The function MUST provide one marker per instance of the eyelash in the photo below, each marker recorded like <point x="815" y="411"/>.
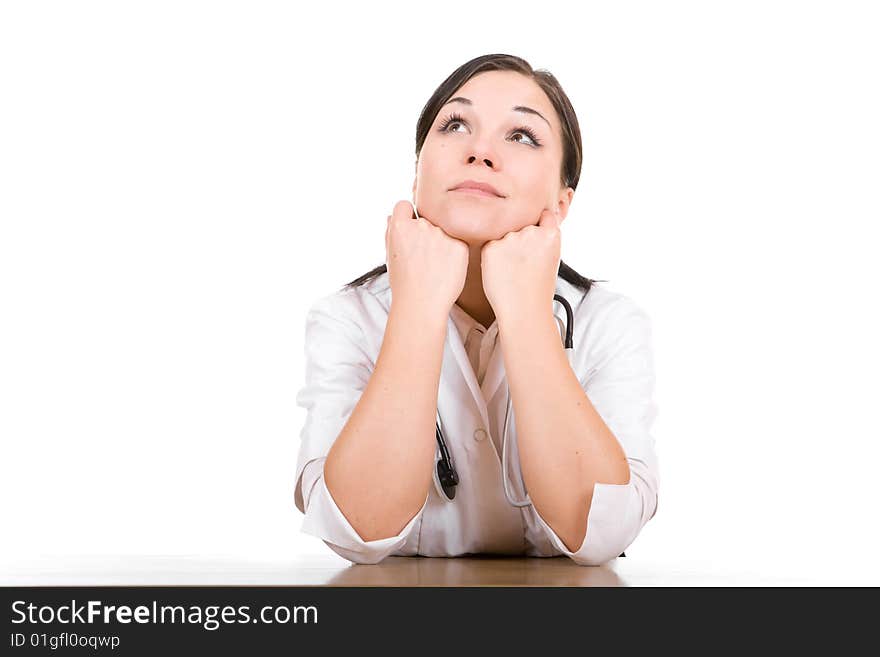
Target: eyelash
<point x="457" y="118"/>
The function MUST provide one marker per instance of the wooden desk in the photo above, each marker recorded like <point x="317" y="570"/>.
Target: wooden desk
<point x="332" y="570"/>
<point x="476" y="570"/>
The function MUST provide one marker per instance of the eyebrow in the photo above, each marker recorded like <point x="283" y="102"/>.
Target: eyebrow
<point x="515" y="108"/>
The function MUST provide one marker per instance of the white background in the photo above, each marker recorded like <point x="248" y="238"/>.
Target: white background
<point x="179" y="181"/>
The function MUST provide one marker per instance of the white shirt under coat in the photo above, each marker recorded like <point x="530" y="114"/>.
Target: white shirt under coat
<point x="613" y="360"/>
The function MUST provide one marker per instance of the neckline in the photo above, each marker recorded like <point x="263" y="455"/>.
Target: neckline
<point x="472" y="321"/>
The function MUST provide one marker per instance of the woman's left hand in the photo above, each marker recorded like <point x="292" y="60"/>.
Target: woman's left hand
<point x="520" y="269"/>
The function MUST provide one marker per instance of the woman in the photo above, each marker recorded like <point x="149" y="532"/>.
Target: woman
<point x="460" y="332"/>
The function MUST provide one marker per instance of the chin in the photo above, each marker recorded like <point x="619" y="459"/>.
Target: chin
<point x="465" y="231"/>
<point x="469" y="222"/>
<point x="475" y="238"/>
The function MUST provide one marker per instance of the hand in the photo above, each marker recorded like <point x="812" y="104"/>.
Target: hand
<point x="520" y="269"/>
<point x="427" y="268"/>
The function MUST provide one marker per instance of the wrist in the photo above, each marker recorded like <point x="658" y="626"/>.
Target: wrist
<point x="518" y="318"/>
<point x="419" y="316"/>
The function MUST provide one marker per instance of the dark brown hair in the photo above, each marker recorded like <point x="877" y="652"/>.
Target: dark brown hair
<point x="572" y="149"/>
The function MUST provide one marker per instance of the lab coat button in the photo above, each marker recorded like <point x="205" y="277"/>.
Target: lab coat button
<point x="479" y="434"/>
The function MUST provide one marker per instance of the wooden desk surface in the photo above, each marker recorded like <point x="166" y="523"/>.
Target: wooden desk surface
<point x="332" y="570"/>
<point x="476" y="570"/>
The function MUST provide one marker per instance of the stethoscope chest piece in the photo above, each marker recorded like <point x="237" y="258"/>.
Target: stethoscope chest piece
<point x="448" y="479"/>
<point x="447" y="476"/>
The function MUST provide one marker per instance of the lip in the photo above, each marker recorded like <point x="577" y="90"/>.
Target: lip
<point x="476" y="187"/>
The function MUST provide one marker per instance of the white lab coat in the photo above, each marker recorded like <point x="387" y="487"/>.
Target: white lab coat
<point x="613" y="360"/>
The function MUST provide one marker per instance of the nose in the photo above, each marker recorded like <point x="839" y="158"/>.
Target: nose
<point x="471" y="159"/>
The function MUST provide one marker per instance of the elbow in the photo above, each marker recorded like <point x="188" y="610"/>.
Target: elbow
<point x="597" y="551"/>
<point x="324" y="520"/>
<point x="365" y="557"/>
<point x="597" y="557"/>
<point x="617" y="516"/>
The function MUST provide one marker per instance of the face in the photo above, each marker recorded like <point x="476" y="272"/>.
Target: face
<point x="519" y="153"/>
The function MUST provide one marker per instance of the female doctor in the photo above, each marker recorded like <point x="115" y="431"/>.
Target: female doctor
<point x="475" y="394"/>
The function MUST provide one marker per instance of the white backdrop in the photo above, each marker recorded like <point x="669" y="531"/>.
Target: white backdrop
<point x="179" y="181"/>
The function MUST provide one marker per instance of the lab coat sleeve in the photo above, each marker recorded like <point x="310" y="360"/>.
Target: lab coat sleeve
<point x="621" y="389"/>
<point x="338" y="368"/>
<point x="325" y="520"/>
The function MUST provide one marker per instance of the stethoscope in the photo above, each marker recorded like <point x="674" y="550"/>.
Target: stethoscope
<point x="447" y="477"/>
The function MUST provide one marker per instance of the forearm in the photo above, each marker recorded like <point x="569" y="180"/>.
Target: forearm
<point x="380" y="467"/>
<point x="564" y="445"/>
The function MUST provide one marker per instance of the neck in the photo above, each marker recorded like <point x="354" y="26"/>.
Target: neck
<point x="473" y="299"/>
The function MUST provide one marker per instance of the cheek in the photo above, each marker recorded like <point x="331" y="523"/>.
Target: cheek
<point x="431" y="180"/>
<point x="522" y="214"/>
<point x="431" y="158"/>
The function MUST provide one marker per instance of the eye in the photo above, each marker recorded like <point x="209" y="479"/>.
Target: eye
<point x="528" y="133"/>
<point x="453" y="118"/>
<point x="522" y="130"/>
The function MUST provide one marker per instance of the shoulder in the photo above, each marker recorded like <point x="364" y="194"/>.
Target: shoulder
<point x="600" y="304"/>
<point x="355" y="313"/>
<point x="612" y="305"/>
<point x="354" y="301"/>
<point x="607" y="322"/>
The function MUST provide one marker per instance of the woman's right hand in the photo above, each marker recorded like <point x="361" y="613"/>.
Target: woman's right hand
<point x="427" y="268"/>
